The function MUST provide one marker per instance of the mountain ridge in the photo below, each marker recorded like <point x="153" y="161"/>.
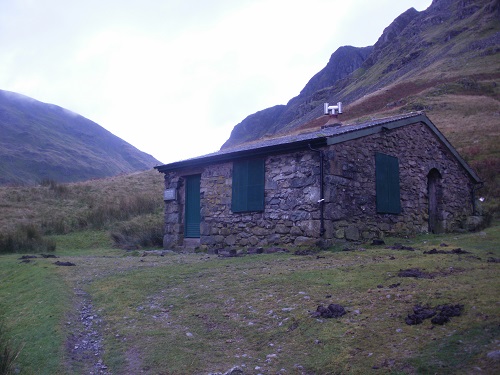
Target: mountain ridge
<point x="342" y="62"/>
<point x="409" y="49"/>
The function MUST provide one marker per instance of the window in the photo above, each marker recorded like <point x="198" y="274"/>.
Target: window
<point x="248" y="185"/>
<point x="387" y="184"/>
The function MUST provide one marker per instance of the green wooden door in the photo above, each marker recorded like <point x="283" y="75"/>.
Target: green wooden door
<point x="192" y="217"/>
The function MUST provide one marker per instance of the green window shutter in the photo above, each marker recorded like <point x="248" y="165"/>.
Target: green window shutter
<point x="248" y="185"/>
<point x="387" y="184"/>
<point x="240" y="172"/>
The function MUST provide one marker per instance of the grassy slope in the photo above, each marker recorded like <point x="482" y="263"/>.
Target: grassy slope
<point x="193" y="313"/>
<point x="62" y="208"/>
<point x="43" y="141"/>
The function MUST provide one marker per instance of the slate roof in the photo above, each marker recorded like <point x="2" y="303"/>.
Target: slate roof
<point x="328" y="134"/>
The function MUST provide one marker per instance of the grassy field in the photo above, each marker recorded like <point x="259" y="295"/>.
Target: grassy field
<point x="199" y="313"/>
<point x="129" y="207"/>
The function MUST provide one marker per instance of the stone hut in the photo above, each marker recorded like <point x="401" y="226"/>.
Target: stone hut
<point x="392" y="176"/>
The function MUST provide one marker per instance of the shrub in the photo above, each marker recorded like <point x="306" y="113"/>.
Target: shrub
<point x="8" y="354"/>
<point x="122" y="209"/>
<point x="27" y="238"/>
<point x="57" y="188"/>
<point x="144" y="231"/>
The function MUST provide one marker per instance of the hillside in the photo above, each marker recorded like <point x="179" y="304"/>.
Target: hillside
<point x="452" y="41"/>
<point x="42" y="141"/>
<point x="342" y="63"/>
<point x="443" y="60"/>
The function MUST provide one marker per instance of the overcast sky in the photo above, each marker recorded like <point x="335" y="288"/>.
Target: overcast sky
<point x="173" y="77"/>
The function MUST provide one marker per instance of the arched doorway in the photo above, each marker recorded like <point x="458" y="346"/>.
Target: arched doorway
<point x="435" y="196"/>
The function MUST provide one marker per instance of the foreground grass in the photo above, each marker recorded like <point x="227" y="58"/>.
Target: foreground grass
<point x="196" y="316"/>
<point x="197" y="313"/>
<point x="33" y="303"/>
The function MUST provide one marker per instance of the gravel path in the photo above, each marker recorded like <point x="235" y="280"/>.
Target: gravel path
<point x="85" y="342"/>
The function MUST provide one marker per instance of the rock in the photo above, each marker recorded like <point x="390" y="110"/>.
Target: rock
<point x="58" y="263"/>
<point x="304" y="241"/>
<point x="435" y="251"/>
<point x="233" y="371"/>
<point x="352" y="233"/>
<point x="473" y="223"/>
<point x="305" y="252"/>
<point x="454" y="251"/>
<point x="332" y="311"/>
<point x="414" y="272"/>
<point x="255" y="250"/>
<point x="495" y="355"/>
<point x="272" y="250"/>
<point x="398" y="246"/>
<point x="27" y="257"/>
<point x="227" y="252"/>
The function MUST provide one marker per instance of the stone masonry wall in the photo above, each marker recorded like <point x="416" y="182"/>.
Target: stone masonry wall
<point x="350" y="184"/>
<point x="291" y="213"/>
<point x="292" y="192"/>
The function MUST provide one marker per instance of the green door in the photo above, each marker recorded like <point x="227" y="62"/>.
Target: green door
<point x="192" y="217"/>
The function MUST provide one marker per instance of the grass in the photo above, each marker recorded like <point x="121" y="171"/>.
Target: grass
<point x="196" y="313"/>
<point x="449" y="355"/>
<point x="33" y="302"/>
<point x="8" y="353"/>
<point x="246" y="310"/>
<point x="124" y="205"/>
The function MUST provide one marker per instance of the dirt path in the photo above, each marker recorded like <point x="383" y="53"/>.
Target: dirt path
<point x="85" y="342"/>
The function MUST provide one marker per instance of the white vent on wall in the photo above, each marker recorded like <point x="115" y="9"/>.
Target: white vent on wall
<point x="333" y="109"/>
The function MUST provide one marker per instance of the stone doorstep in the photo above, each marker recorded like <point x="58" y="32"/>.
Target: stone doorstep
<point x="191" y="243"/>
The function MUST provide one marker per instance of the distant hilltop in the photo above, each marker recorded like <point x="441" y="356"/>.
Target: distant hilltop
<point x="45" y="142"/>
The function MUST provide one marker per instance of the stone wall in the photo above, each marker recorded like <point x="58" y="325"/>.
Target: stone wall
<point x="350" y="184"/>
<point x="292" y="191"/>
<point x="291" y="213"/>
<point x="174" y="213"/>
